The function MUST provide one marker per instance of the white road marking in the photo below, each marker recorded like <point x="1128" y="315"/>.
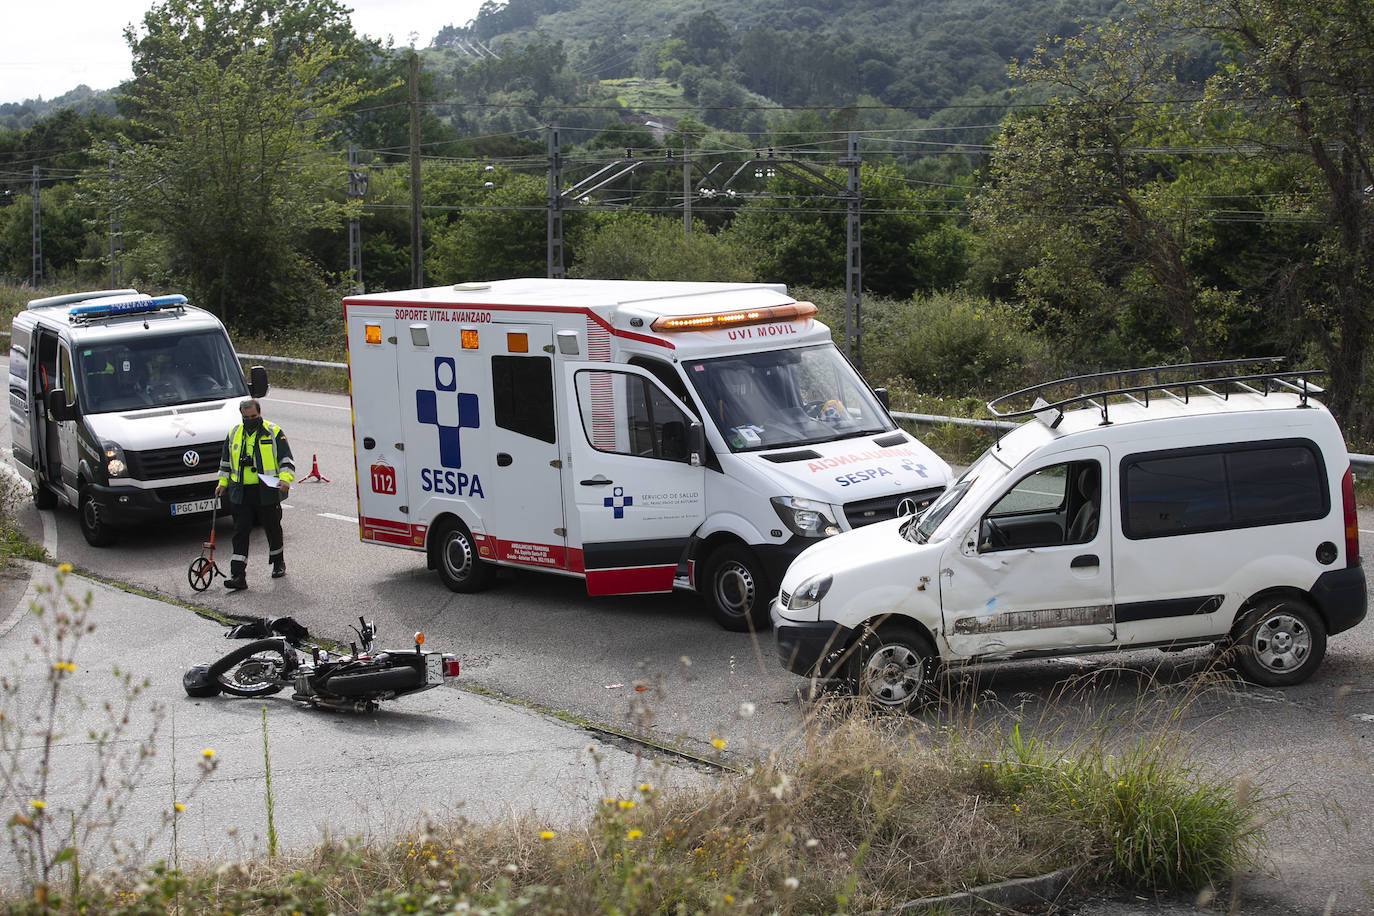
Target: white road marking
<point x="307" y="404"/>
<point x="342" y="518"/>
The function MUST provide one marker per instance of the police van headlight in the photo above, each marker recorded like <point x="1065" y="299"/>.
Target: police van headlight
<point x="810" y="592"/>
<point x="807" y="517"/>
<point x="115" y="465"/>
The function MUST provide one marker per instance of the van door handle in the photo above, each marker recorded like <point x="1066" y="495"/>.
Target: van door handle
<point x="1084" y="561"/>
<point x="503" y="460"/>
<point x="596" y="482"/>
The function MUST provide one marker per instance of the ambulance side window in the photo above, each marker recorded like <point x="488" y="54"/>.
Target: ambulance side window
<point x="522" y="394"/>
<point x="630" y="415"/>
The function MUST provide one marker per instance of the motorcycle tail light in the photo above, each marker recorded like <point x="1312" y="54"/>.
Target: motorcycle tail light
<point x="450" y="667"/>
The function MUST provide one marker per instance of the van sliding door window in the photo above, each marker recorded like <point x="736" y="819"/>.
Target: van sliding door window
<point x="630" y="415"/>
<point x="522" y="395"/>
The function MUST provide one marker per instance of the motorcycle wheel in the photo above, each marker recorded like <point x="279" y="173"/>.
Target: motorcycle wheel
<point x="255" y="670"/>
<point x="393" y="680"/>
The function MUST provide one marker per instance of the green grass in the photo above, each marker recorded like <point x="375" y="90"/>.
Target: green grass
<point x="646" y="95"/>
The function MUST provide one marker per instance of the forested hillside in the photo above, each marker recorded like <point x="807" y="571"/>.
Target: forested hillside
<point x="1171" y="180"/>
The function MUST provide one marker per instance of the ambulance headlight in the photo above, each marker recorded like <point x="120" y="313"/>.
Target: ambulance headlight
<point x="807" y="517"/>
<point x="114" y="460"/>
<point x="810" y="592"/>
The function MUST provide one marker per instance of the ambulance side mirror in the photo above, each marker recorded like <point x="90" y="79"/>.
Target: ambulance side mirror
<point x="58" y="408"/>
<point x="257" y="381"/>
<point x="696" y="444"/>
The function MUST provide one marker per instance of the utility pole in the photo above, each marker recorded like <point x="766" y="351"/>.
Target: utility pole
<point x="37" y="234"/>
<point x="357" y="187"/>
<point x="686" y="184"/>
<point x="555" y="207"/>
<point x="116" y="237"/>
<point x="417" y="270"/>
<point x="853" y="270"/>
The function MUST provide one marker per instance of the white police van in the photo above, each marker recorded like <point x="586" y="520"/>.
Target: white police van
<point x="642" y="436"/>
<point x="119" y="405"/>
<point x="1168" y="507"/>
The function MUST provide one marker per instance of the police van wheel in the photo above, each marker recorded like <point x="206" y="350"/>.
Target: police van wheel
<point x="457" y="561"/>
<point x="738" y="589"/>
<point x="97" y="531"/>
<point x="43" y="498"/>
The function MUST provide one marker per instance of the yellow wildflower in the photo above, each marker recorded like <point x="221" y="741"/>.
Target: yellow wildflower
<point x="634" y="834"/>
<point x="38" y="805"/>
<point x="547" y="834"/>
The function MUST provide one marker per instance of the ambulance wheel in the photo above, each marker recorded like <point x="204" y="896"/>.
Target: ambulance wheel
<point x="738" y="589"/>
<point x="94" y="527"/>
<point x="457" y="561"/>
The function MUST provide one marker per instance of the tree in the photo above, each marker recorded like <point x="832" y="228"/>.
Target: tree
<point x="1084" y="206"/>
<point x="644" y="247"/>
<point x="1310" y="66"/>
<point x="238" y="170"/>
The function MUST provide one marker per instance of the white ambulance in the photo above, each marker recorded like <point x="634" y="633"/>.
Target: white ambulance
<point x="119" y="404"/>
<point x="642" y="436"/>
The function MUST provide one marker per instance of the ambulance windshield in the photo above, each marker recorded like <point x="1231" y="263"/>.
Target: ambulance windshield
<point x="781" y="398"/>
<point x="157" y="371"/>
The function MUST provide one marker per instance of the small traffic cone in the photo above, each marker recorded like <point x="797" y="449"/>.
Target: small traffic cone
<point x="314" y="472"/>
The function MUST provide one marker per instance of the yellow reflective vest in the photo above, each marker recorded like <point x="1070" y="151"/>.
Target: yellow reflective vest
<point x="247" y="455"/>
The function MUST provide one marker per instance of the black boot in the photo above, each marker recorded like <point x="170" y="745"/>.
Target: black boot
<point x="278" y="567"/>
<point x="237" y="576"/>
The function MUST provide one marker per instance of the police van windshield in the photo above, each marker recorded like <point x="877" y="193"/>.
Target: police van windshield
<point x="158" y="371"/>
<point x="781" y="398"/>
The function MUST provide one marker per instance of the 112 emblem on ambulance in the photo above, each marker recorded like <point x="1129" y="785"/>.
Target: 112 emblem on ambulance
<point x="383" y="477"/>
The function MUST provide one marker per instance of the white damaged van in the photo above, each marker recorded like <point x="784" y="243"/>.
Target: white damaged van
<point x="1167" y="507"/>
<point x="119" y="405"/>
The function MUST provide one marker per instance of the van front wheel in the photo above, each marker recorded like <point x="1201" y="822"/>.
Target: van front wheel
<point x="738" y="589"/>
<point x="459" y="566"/>
<point x="896" y="666"/>
<point x="1279" y="643"/>
<point x="94" y="527"/>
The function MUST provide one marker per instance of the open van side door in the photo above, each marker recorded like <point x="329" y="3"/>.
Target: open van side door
<point x="637" y="490"/>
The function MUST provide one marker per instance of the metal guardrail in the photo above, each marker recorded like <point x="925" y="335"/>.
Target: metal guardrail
<point x="319" y="364"/>
<point x="1362" y="465"/>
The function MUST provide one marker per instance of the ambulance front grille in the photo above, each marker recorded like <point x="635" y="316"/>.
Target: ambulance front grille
<point x="162" y="463"/>
<point x="868" y="511"/>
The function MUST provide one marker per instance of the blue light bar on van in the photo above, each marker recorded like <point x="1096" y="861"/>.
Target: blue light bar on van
<point x="110" y="308"/>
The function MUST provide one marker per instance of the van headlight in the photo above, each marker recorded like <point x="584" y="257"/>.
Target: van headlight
<point x="810" y="592"/>
<point x="114" y="460"/>
<point x="807" y="517"/>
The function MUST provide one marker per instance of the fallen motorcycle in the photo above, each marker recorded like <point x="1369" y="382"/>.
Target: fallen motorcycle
<point x="281" y="655"/>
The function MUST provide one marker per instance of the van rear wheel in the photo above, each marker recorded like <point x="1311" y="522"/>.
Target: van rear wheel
<point x="457" y="561"/>
<point x="94" y="527"/>
<point x="896" y="667"/>
<point x="738" y="589"/>
<point x="1279" y="643"/>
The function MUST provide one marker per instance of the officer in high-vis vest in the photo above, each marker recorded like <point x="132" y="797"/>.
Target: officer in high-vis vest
<point x="256" y="471"/>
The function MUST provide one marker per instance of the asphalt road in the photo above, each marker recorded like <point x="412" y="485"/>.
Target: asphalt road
<point x="539" y="639"/>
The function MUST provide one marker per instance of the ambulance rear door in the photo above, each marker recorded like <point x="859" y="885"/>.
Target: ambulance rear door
<point x="523" y="481"/>
<point x="378" y="439"/>
<point x="636" y="495"/>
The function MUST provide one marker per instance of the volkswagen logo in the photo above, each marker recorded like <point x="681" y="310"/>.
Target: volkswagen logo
<point x="906" y="507"/>
<point x="191" y="458"/>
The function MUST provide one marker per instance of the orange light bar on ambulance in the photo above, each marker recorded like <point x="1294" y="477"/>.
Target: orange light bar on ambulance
<point x="372" y="333"/>
<point x="469" y="338"/>
<point x="714" y="322"/>
<point x="517" y="342"/>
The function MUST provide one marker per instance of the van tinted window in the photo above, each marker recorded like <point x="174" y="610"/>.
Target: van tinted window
<point x="1210" y="489"/>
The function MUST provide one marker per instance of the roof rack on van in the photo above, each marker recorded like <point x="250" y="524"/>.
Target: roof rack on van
<point x="1179" y="382"/>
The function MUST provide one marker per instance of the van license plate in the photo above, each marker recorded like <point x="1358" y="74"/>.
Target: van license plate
<point x="200" y="505"/>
